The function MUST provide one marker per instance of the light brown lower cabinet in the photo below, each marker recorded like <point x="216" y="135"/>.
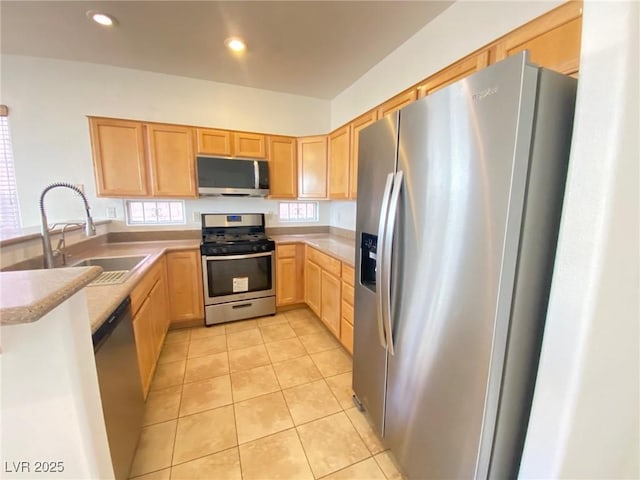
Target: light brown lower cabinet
<point x="313" y="281"/>
<point x="324" y="289"/>
<point x="145" y="345"/>
<point x="346" y="323"/>
<point x="150" y="309"/>
<point x="184" y="273"/>
<point x="330" y="302"/>
<point x="150" y="320"/>
<point x="289" y="274"/>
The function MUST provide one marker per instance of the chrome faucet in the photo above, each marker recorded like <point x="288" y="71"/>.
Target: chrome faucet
<point x="90" y="228"/>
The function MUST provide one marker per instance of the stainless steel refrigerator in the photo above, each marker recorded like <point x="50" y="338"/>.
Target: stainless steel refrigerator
<point x="459" y="203"/>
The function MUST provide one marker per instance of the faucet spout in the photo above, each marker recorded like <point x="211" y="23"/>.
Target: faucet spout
<point x="90" y="228"/>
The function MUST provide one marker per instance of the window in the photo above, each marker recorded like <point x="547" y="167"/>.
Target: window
<point x="155" y="212"/>
<point x="9" y="211"/>
<point x="298" y="211"/>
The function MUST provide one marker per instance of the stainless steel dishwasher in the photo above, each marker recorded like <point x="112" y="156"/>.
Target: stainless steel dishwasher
<point x="120" y="387"/>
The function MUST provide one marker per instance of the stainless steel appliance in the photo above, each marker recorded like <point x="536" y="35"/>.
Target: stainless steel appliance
<point x="235" y="177"/>
<point x="237" y="267"/>
<point x="459" y="201"/>
<point x="120" y="387"/>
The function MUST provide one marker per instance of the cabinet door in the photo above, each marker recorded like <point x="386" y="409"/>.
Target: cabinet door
<point x="346" y="335"/>
<point x="159" y="296"/>
<point x="214" y="142"/>
<point x="184" y="273"/>
<point x="283" y="177"/>
<point x="145" y="348"/>
<point x="313" y="276"/>
<point x="339" y="149"/>
<point x="250" y="145"/>
<point x="286" y="280"/>
<point x="312" y="167"/>
<point x="396" y="103"/>
<point x="356" y="126"/>
<point x="172" y="161"/>
<point x="330" y="302"/>
<point x="455" y="72"/>
<point x="553" y="39"/>
<point x="118" y="157"/>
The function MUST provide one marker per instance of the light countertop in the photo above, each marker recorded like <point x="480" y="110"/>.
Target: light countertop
<point x="28" y="295"/>
<point x="337" y="246"/>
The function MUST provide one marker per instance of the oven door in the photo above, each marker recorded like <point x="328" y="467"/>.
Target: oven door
<point x="229" y="278"/>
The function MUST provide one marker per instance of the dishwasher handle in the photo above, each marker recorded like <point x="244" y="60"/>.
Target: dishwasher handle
<point x="106" y="329"/>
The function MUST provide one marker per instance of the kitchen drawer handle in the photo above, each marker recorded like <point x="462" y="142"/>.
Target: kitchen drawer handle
<point x="243" y="305"/>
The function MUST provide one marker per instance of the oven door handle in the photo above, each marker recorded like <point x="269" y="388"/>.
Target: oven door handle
<point x="237" y="257"/>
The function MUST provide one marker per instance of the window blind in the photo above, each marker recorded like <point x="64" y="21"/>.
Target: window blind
<point x="9" y="210"/>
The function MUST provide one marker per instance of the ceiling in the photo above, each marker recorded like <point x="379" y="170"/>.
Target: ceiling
<point x="312" y="48"/>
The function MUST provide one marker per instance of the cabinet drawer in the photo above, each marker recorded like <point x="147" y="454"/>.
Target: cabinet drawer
<point x="346" y="335"/>
<point x="144" y="286"/>
<point x="347" y="292"/>
<point x="347" y="312"/>
<point x="348" y="274"/>
<point x="286" y="251"/>
<point x="327" y="263"/>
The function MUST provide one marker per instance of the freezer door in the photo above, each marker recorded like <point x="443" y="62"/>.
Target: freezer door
<point x="464" y="152"/>
<point x="376" y="161"/>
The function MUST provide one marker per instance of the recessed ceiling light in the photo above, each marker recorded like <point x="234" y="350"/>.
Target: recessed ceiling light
<point x="101" y="18"/>
<point x="235" y="44"/>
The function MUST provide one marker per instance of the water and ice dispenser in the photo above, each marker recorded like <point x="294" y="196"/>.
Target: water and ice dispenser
<point x="368" y="257"/>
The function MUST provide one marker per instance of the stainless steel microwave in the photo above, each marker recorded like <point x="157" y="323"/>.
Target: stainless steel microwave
<point x="239" y="177"/>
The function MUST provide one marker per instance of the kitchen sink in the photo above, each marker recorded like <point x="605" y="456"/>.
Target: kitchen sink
<point x="115" y="269"/>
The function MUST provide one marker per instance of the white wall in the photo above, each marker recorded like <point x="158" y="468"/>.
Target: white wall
<point x="585" y="420"/>
<point x="50" y="99"/>
<point x="51" y="407"/>
<point x="232" y="205"/>
<point x="456" y="32"/>
<point x="343" y="215"/>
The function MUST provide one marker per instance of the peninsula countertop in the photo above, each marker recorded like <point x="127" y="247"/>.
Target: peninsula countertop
<point x="26" y="296"/>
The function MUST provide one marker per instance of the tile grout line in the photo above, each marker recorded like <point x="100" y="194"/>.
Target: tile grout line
<point x="233" y="408"/>
<point x="349" y="466"/>
<point x="235" y="402"/>
<point x="175" y="433"/>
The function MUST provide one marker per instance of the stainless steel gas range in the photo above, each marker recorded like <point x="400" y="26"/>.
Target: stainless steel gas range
<point x="238" y="267"/>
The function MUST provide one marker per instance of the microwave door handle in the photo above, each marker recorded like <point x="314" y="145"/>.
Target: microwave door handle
<point x="256" y="174"/>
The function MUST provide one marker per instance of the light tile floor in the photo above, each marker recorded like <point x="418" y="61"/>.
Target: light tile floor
<point x="268" y="398"/>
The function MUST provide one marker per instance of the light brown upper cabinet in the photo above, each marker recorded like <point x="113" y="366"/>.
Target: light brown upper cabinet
<point x="283" y="176"/>
<point x="312" y="167"/>
<point x="214" y="142"/>
<point x="455" y="72"/>
<point x="339" y="168"/>
<point x="553" y="39"/>
<point x="396" y="103"/>
<point x="135" y="159"/>
<point x="228" y="143"/>
<point x="172" y="161"/>
<point x="358" y="124"/>
<point x="250" y="145"/>
<point x="119" y="157"/>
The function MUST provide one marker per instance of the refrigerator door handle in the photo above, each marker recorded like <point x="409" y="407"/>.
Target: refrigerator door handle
<point x="386" y="260"/>
<point x="384" y="211"/>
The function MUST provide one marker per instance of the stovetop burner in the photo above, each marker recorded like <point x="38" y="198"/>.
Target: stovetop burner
<point x="224" y="234"/>
<point x="233" y="237"/>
